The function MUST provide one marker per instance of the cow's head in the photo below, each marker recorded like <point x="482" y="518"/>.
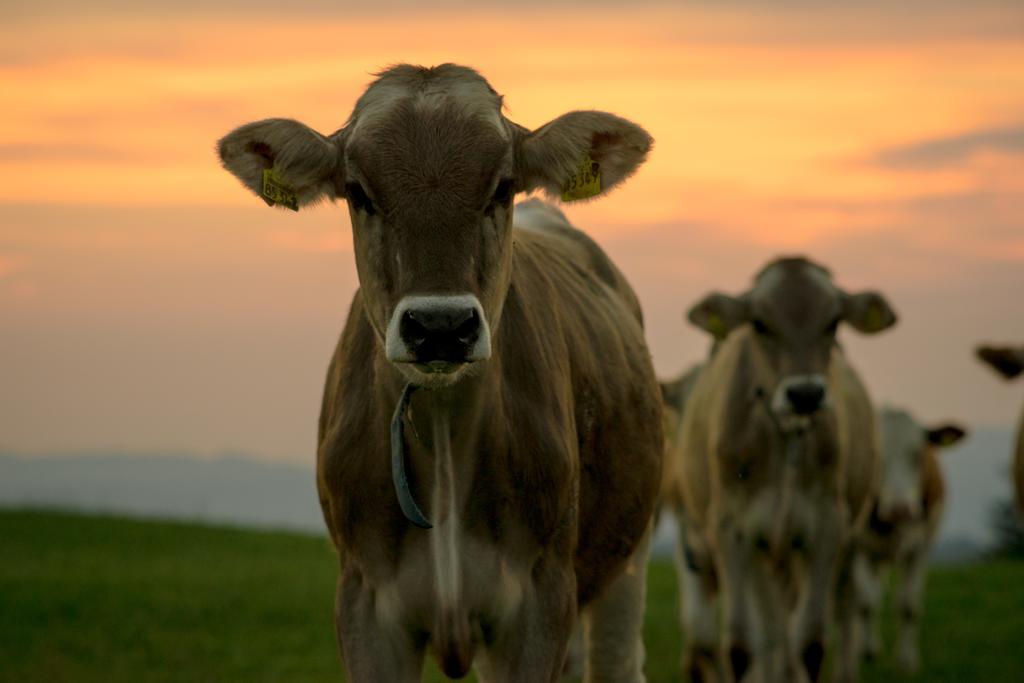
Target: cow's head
<point x="792" y="314"/>
<point x="429" y="166"/>
<point x="908" y="449"/>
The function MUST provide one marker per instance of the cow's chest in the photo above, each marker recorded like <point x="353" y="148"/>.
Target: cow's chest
<point x="494" y="512"/>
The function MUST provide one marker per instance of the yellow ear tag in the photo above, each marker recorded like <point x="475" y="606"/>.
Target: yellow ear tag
<point x="875" y="319"/>
<point x="585" y="182"/>
<point x="276" y="191"/>
<point x="716" y="326"/>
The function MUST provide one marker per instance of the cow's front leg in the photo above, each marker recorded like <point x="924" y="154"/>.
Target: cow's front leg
<point x="915" y="567"/>
<point x="613" y="625"/>
<point x="698" y="608"/>
<point x="822" y="556"/>
<point x="854" y="602"/>
<point x="735" y="564"/>
<point x="529" y="645"/>
<point x="372" y="650"/>
<point x="867" y="574"/>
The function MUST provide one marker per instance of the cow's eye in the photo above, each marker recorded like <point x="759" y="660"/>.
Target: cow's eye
<point x="503" y="194"/>
<point x="358" y="199"/>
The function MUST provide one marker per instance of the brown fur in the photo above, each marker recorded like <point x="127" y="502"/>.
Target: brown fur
<point x="774" y="531"/>
<point x="1018" y="468"/>
<point x="1009" y="363"/>
<point x="555" y="437"/>
<point x="906" y="512"/>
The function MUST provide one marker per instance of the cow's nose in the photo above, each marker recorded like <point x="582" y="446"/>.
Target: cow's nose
<point x="805" y="397"/>
<point x="440" y="333"/>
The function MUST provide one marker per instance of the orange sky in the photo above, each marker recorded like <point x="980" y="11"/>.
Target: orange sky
<point x="149" y="303"/>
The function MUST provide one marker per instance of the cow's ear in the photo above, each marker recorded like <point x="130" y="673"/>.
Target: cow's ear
<point x="868" y="312"/>
<point x="579" y="155"/>
<point x="719" y="314"/>
<point x="284" y="162"/>
<point x="945" y="435"/>
<point x="1006" y="361"/>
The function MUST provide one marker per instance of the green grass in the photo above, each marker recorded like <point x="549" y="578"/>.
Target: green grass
<point x="86" y="598"/>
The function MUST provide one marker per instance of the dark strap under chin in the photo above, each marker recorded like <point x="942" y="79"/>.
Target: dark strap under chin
<point x="408" y="504"/>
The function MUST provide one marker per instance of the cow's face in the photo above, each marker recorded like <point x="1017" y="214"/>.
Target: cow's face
<point x="907" y="448"/>
<point x="793" y="312"/>
<point x="429" y="167"/>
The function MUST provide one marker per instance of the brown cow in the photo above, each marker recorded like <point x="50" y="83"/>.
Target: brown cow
<point x="528" y="415"/>
<point x="776" y="454"/>
<point x="904" y="521"/>
<point x="1009" y="362"/>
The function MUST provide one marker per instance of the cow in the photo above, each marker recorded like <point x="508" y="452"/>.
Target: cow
<point x="490" y="439"/>
<point x="674" y="395"/>
<point x="776" y="456"/>
<point x="904" y="520"/>
<point x="1009" y="363"/>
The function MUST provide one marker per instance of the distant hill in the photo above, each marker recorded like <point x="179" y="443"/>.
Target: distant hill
<point x="233" y="489"/>
<point x="244" y="491"/>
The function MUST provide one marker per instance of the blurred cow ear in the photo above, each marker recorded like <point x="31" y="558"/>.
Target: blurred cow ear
<point x="579" y="155"/>
<point x="284" y="162"/>
<point x="1007" y="361"/>
<point x="719" y="314"/>
<point x="868" y="312"/>
<point x="945" y="435"/>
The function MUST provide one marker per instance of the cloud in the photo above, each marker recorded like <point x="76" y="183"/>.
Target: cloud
<point x="62" y="152"/>
<point x="952" y="150"/>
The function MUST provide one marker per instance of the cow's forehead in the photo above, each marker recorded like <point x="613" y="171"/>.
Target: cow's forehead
<point x="796" y="285"/>
<point x="901" y="434"/>
<point x="422" y="90"/>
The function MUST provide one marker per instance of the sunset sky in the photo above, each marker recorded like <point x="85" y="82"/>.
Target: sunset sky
<point x="150" y="304"/>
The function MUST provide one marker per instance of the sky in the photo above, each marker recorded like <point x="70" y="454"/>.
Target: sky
<point x="150" y="304"/>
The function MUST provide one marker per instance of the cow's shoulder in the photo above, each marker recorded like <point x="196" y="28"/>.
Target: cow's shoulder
<point x="353" y="453"/>
<point x="544" y="224"/>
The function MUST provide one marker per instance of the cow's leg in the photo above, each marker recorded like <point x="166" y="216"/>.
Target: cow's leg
<point x="372" y="651"/>
<point x="697" y="607"/>
<point x="849" y="610"/>
<point x="772" y="656"/>
<point x="572" y="669"/>
<point x="823" y="555"/>
<point x="868" y="578"/>
<point x="911" y="592"/>
<point x="613" y="625"/>
<point x="530" y="646"/>
<point x="735" y="562"/>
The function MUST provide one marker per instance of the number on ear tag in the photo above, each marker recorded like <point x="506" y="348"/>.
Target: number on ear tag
<point x="276" y="191"/>
<point x="585" y="182"/>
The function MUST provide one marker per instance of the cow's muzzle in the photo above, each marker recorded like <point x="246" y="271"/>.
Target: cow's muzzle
<point x="800" y="395"/>
<point x="438" y="333"/>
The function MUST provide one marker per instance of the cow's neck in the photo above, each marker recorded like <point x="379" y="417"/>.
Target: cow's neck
<point x="446" y="423"/>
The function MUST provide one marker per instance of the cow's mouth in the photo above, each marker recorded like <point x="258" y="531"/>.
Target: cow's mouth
<point x="438" y="367"/>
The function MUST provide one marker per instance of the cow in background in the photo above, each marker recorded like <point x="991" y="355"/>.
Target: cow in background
<point x="904" y="520"/>
<point x="1009" y="363"/>
<point x="776" y="458"/>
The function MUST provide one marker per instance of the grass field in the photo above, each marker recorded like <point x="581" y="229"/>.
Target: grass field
<point x="85" y="598"/>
